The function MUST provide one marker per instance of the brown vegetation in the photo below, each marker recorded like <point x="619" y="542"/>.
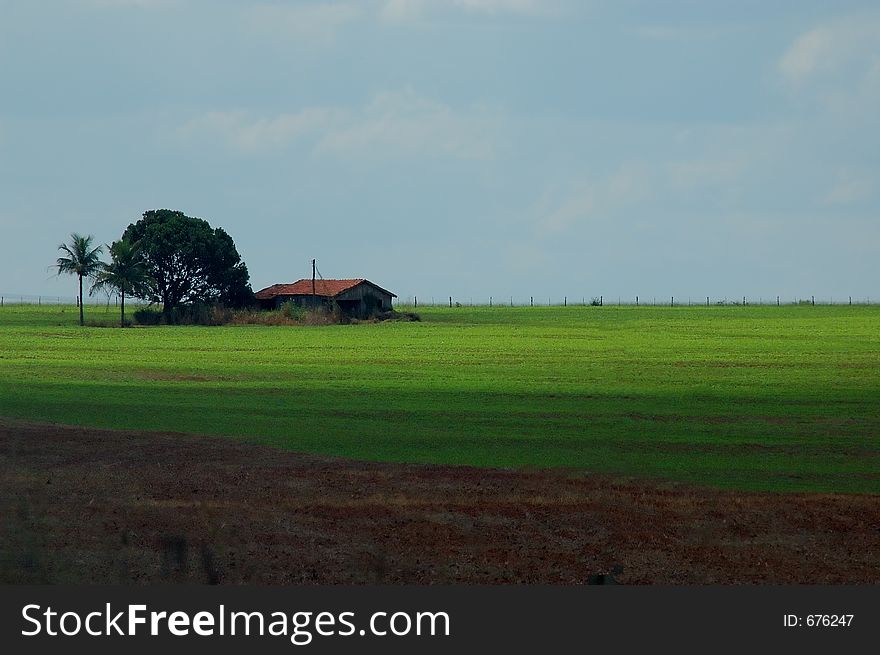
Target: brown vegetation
<point x="96" y="506"/>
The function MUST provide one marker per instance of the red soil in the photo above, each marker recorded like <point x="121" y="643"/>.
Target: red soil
<point x="100" y="506"/>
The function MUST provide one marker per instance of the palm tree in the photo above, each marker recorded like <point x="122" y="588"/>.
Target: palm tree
<point x="125" y="271"/>
<point x="82" y="260"/>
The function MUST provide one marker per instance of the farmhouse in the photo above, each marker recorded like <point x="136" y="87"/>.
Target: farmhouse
<point x="357" y="297"/>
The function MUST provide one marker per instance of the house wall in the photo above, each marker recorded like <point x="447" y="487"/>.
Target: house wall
<point x="362" y="300"/>
<point x="308" y="301"/>
<point x="367" y="298"/>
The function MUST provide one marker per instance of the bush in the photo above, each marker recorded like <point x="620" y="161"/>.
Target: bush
<point x="199" y="314"/>
<point x="147" y="316"/>
<point x="325" y="316"/>
<point x="257" y="317"/>
<point x="107" y="323"/>
<point x="399" y="316"/>
<point x="293" y="311"/>
<point x="288" y="314"/>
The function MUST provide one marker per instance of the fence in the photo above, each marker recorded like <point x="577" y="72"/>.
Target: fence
<point x="508" y="301"/>
<point x="26" y="299"/>
<point x="631" y="301"/>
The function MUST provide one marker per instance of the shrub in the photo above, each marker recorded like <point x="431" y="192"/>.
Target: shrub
<point x="147" y="316"/>
<point x="325" y="316"/>
<point x="203" y="314"/>
<point x="199" y="314"/>
<point x="293" y="311"/>
<point x="399" y="316"/>
<point x="98" y="323"/>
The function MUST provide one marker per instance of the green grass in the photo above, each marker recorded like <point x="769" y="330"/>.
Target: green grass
<point x="742" y="397"/>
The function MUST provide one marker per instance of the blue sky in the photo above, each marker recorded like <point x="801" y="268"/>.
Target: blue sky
<point x="520" y="148"/>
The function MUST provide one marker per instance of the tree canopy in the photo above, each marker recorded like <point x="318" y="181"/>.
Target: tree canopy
<point x="80" y="259"/>
<point x="124" y="272"/>
<point x="187" y="261"/>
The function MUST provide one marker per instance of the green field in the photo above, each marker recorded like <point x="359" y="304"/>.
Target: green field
<point x="745" y="397"/>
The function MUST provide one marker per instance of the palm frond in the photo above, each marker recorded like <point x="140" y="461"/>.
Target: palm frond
<point x="82" y="259"/>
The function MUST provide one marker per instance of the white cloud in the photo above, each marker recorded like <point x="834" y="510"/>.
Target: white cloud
<point x="701" y="32"/>
<point x="501" y="6"/>
<point x="835" y="68"/>
<point x="809" y="52"/>
<point x="850" y="188"/>
<point x="129" y="4"/>
<point x="248" y="134"/>
<point x="851" y="42"/>
<point x="403" y="123"/>
<point x="393" y="124"/>
<point x="597" y="199"/>
<point x="415" y="10"/>
<point x="402" y="10"/>
<point x="310" y="21"/>
<point x="698" y="173"/>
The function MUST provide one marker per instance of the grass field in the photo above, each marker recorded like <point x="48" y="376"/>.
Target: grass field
<point x="760" y="398"/>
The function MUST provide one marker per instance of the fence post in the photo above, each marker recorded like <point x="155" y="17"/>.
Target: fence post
<point x="450" y="301"/>
<point x="777" y="301"/>
<point x="850" y="300"/>
<point x="744" y="301"/>
<point x="637" y="301"/>
<point x="490" y="301"/>
<point x="415" y="301"/>
<point x="707" y="301"/>
<point x="531" y="301"/>
<point x="813" y="299"/>
<point x="672" y="301"/>
<point x="565" y="301"/>
<point x="601" y="301"/>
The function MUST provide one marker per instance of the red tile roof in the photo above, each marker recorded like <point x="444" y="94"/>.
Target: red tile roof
<point x="327" y="288"/>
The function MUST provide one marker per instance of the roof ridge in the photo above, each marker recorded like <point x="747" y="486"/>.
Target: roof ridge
<point x="321" y="287"/>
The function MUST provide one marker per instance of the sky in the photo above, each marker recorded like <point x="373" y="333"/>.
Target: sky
<point x="473" y="148"/>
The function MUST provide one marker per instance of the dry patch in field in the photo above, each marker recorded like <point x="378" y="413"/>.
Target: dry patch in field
<point x="100" y="506"/>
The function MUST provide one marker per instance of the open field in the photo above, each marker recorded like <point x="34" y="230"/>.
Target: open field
<point x="750" y="398"/>
<point x="94" y="506"/>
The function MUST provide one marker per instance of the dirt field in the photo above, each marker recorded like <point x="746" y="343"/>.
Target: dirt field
<point x="86" y="505"/>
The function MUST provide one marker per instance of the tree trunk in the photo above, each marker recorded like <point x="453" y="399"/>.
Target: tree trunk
<point x="122" y="305"/>
<point x="81" y="322"/>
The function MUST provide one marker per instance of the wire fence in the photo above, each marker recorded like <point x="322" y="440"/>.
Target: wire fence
<point x="31" y="299"/>
<point x="628" y="301"/>
<point x="508" y="301"/>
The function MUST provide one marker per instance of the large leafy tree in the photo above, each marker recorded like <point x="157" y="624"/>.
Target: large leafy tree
<point x="187" y="261"/>
<point x="81" y="259"/>
<point x="125" y="271"/>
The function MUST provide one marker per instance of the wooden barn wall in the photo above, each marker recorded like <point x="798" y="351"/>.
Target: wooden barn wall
<point x="359" y="294"/>
<point x="363" y="291"/>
